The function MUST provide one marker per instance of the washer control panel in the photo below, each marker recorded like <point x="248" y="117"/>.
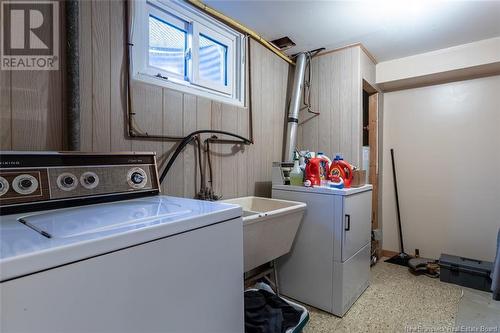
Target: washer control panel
<point x="37" y="179"/>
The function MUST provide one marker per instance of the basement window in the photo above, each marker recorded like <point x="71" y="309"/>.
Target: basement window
<point x="179" y="47"/>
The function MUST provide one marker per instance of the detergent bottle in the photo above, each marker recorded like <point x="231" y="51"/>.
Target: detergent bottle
<point x="325" y="167"/>
<point x="313" y="172"/>
<point x="342" y="169"/>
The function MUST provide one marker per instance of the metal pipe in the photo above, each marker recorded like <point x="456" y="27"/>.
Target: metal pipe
<point x="240" y="27"/>
<point x="72" y="74"/>
<point x="293" y="111"/>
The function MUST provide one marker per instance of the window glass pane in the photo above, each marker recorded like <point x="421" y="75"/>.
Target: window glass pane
<point x="213" y="60"/>
<point x="167" y="46"/>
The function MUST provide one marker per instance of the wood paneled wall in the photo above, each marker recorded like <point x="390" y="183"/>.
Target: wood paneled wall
<point x="337" y="95"/>
<point x="32" y="116"/>
<point x="31" y="108"/>
<point x="238" y="170"/>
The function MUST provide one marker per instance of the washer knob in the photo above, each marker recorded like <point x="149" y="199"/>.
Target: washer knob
<point x="68" y="180"/>
<point x="90" y="180"/>
<point x="137" y="178"/>
<point x="4" y="186"/>
<point x="25" y="183"/>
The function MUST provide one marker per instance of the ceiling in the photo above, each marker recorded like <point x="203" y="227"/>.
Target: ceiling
<point x="389" y="29"/>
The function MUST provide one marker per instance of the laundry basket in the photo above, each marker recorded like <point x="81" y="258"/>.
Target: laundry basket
<point x="304" y="318"/>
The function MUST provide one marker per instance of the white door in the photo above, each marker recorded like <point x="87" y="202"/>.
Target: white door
<point x="356" y="223"/>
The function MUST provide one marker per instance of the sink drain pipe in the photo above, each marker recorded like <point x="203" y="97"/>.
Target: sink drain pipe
<point x="294" y="108"/>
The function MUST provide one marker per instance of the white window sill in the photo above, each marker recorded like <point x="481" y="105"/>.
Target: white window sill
<point x="189" y="89"/>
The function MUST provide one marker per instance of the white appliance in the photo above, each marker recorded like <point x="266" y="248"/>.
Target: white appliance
<point x="150" y="264"/>
<point x="329" y="264"/>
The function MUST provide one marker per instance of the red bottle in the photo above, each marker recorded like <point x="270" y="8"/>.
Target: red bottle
<point x="342" y="169"/>
<point x="313" y="171"/>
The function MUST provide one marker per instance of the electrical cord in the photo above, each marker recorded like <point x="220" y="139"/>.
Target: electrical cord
<point x="306" y="97"/>
<point x="307" y="84"/>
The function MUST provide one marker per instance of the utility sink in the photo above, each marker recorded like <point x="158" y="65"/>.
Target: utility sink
<point x="269" y="228"/>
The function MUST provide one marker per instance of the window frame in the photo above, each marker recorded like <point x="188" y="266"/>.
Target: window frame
<point x="197" y="23"/>
<point x="199" y="29"/>
<point x="175" y="23"/>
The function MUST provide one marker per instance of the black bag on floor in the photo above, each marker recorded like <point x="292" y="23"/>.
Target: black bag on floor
<point x="266" y="312"/>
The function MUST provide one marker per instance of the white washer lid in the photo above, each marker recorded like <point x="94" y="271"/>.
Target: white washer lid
<point x="90" y="219"/>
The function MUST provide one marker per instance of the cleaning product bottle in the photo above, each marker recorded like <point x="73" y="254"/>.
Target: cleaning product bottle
<point x="325" y="167"/>
<point x="342" y="169"/>
<point x="302" y="159"/>
<point x="296" y="175"/>
<point x="323" y="156"/>
<point x="313" y="172"/>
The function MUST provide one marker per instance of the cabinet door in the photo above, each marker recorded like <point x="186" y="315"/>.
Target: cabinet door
<point x="356" y="223"/>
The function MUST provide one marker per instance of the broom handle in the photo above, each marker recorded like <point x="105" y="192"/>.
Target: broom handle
<point x="397" y="202"/>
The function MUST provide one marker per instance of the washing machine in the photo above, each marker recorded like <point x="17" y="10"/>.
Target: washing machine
<point x="88" y="244"/>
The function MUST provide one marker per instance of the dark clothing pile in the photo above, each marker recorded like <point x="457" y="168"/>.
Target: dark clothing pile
<point x="265" y="312"/>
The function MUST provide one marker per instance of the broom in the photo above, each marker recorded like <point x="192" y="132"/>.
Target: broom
<point x="402" y="258"/>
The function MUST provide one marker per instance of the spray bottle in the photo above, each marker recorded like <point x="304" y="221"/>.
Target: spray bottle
<point x="296" y="174"/>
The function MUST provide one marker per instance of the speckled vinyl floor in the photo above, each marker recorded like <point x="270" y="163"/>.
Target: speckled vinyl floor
<point x="396" y="301"/>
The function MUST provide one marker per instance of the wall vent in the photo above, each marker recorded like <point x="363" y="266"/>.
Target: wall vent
<point x="283" y="43"/>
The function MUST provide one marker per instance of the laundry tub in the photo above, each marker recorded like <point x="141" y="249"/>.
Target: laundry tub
<point x="269" y="228"/>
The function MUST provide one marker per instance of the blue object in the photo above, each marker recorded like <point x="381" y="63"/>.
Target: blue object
<point x="338" y="185"/>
